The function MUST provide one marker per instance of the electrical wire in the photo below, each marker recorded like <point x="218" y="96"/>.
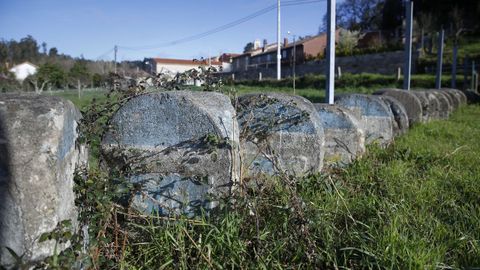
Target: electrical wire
<point x="221" y="28"/>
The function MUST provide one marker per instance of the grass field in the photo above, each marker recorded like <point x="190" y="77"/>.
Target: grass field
<point x="85" y="98"/>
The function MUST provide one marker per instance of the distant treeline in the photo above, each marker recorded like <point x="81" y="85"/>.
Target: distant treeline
<point x="56" y="71"/>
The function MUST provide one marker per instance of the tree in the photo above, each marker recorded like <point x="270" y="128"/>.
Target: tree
<point x="28" y="49"/>
<point x="392" y="15"/>
<point x="360" y="15"/>
<point x="44" y="48"/>
<point x="347" y="41"/>
<point x="53" y="52"/>
<point x="79" y="73"/>
<point x="248" y="47"/>
<point x="3" y="52"/>
<point x="48" y="73"/>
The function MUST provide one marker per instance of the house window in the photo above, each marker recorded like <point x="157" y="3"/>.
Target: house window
<point x="284" y="54"/>
<point x="269" y="57"/>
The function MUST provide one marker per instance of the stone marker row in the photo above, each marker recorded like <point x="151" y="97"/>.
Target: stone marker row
<point x="186" y="149"/>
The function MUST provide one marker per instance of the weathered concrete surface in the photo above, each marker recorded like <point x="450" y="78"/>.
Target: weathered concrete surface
<point x="344" y="137"/>
<point x="375" y="117"/>
<point x="429" y="106"/>
<point x="410" y="102"/>
<point x="280" y="134"/>
<point x="459" y="94"/>
<point x="451" y="100"/>
<point x="444" y="104"/>
<point x="37" y="162"/>
<point x="455" y="95"/>
<point x="454" y="99"/>
<point x="182" y="148"/>
<point x="400" y="123"/>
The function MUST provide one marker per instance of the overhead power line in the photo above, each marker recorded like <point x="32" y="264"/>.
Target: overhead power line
<point x="104" y="54"/>
<point x="221" y="28"/>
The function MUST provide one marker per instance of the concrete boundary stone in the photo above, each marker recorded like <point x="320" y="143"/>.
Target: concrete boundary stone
<point x="182" y="148"/>
<point x="454" y="98"/>
<point x="400" y="123"/>
<point x="410" y="102"/>
<point x="375" y="116"/>
<point x="280" y="133"/>
<point x="445" y="108"/>
<point x="459" y="94"/>
<point x="344" y="137"/>
<point x="429" y="108"/>
<point x="38" y="157"/>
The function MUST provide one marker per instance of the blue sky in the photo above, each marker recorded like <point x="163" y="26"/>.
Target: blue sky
<point x="93" y="27"/>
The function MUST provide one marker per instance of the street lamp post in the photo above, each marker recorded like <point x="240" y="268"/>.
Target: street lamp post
<point x="294" y="59"/>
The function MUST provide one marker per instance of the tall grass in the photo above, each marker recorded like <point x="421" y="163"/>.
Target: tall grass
<point x="414" y="205"/>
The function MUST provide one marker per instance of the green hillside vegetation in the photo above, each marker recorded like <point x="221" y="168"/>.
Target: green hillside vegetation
<point x="468" y="46"/>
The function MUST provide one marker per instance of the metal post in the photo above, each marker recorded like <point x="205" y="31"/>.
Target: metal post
<point x="465" y="75"/>
<point x="454" y="65"/>
<point x="408" y="45"/>
<point x="294" y="62"/>
<point x="279" y="49"/>
<point x="330" y="80"/>
<point x="472" y="80"/>
<point x="115" y="61"/>
<point x="422" y="41"/>
<point x="438" y="80"/>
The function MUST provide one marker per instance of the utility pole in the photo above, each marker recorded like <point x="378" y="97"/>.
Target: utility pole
<point x="408" y="45"/>
<point x="330" y="87"/>
<point x="454" y="64"/>
<point x="279" y="49"/>
<point x="438" y="79"/>
<point x="294" y="59"/>
<point x="115" y="49"/>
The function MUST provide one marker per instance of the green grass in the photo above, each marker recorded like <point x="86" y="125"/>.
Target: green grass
<point x="414" y="205"/>
<point x="85" y="98"/>
<point x="468" y="46"/>
<point x="313" y="86"/>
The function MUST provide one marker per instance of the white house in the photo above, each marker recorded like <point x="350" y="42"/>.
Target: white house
<point x="23" y="70"/>
<point x="174" y="66"/>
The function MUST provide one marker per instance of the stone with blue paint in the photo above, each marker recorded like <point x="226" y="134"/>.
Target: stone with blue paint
<point x="410" y="102"/>
<point x="400" y="125"/>
<point x="430" y="104"/>
<point x="38" y="157"/>
<point x="280" y="134"/>
<point x="375" y="117"/>
<point x="445" y="107"/>
<point x="181" y="147"/>
<point x="344" y="137"/>
<point x="454" y="99"/>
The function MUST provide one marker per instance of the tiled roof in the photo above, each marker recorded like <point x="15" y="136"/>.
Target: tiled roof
<point x="185" y="62"/>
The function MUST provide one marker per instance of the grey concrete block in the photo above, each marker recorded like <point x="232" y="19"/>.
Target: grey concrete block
<point x="38" y="157"/>
<point x="459" y="94"/>
<point x="400" y="125"/>
<point x="181" y="148"/>
<point x="444" y="104"/>
<point x="280" y="134"/>
<point x="454" y="99"/>
<point x="344" y="137"/>
<point x="429" y="109"/>
<point x="451" y="100"/>
<point x="410" y="102"/>
<point x="375" y="117"/>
